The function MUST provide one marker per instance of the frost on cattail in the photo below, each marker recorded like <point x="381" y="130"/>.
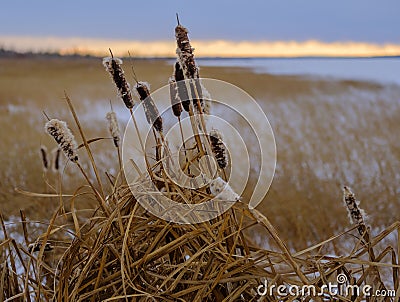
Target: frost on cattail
<point x="185" y="53"/>
<point x="113" y="66"/>
<point x="56" y="159"/>
<point x="152" y="115"/>
<point x="222" y="190"/>
<point x="181" y="85"/>
<point x="188" y="64"/>
<point x="206" y="100"/>
<point x="218" y="148"/>
<point x="175" y="100"/>
<point x="43" y="155"/>
<point x="355" y="213"/>
<point x="36" y="246"/>
<point x="197" y="95"/>
<point x="113" y="127"/>
<point x="64" y="138"/>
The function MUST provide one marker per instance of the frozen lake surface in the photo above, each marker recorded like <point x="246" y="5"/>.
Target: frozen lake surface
<point x="382" y="70"/>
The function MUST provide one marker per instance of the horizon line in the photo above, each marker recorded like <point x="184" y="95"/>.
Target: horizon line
<point x="203" y="48"/>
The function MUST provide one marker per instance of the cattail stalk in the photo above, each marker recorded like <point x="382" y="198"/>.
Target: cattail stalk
<point x="113" y="67"/>
<point x="357" y="217"/>
<point x="64" y="138"/>
<point x="185" y="99"/>
<point x="98" y="195"/>
<point x="190" y="72"/>
<point x="66" y="142"/>
<point x="177" y="110"/>
<point x="187" y="63"/>
<point x="355" y="213"/>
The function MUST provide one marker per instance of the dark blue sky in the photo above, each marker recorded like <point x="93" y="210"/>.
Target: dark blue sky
<point x="339" y="20"/>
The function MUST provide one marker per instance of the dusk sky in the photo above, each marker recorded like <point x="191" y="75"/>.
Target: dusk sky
<point x="372" y="22"/>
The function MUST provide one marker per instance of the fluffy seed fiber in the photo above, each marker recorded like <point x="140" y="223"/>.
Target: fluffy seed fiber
<point x="64" y="138"/>
<point x="113" y="127"/>
<point x="174" y="96"/>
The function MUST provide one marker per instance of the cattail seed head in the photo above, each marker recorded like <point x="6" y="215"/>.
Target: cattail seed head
<point x="218" y="148"/>
<point x="355" y="213"/>
<point x="113" y="67"/>
<point x="181" y="85"/>
<point x="175" y="100"/>
<point x="185" y="53"/>
<point x="222" y="190"/>
<point x="152" y="115"/>
<point x="56" y="159"/>
<point x="113" y="127"/>
<point x="64" y="138"/>
<point x="45" y="161"/>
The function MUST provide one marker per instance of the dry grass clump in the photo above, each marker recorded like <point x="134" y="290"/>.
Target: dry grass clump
<point x="125" y="253"/>
<point x="133" y="255"/>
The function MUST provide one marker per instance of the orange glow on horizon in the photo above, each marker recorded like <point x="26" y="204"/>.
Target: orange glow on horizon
<point x="212" y="48"/>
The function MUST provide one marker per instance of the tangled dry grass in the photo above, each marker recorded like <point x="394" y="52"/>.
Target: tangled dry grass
<point x="124" y="253"/>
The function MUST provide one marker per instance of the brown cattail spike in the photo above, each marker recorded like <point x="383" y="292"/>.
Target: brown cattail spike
<point x="113" y="127"/>
<point x="218" y="148"/>
<point x="188" y="65"/>
<point x="113" y="66"/>
<point x="175" y="100"/>
<point x="356" y="214"/>
<point x="185" y="52"/>
<point x="64" y="138"/>
<point x="152" y="115"/>
<point x="181" y="86"/>
<point x="45" y="161"/>
<point x="56" y="159"/>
